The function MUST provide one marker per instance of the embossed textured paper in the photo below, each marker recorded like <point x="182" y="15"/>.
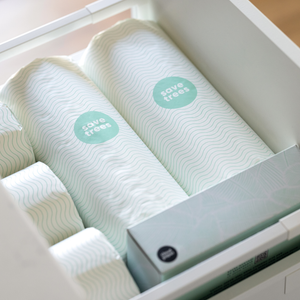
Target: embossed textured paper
<point x="90" y="259"/>
<point x="113" y="178"/>
<point x="15" y="150"/>
<point x="44" y="198"/>
<point x="183" y="120"/>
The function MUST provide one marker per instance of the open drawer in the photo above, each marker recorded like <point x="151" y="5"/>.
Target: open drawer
<point x="255" y="67"/>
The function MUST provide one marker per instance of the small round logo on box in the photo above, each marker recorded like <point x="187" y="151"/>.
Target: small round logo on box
<point x="167" y="254"/>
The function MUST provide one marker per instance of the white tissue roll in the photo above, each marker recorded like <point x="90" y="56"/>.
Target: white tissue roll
<point x="183" y="120"/>
<point x="15" y="150"/>
<point x="89" y="258"/>
<point x="113" y="178"/>
<point x="44" y="198"/>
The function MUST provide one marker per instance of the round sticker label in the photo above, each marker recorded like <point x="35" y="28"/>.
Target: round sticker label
<point x="174" y="92"/>
<point x="167" y="254"/>
<point x="94" y="127"/>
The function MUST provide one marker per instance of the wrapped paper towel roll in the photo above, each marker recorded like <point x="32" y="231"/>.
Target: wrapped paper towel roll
<point x="15" y="150"/>
<point x="113" y="178"/>
<point x="45" y="199"/>
<point x="190" y="128"/>
<point x="89" y="258"/>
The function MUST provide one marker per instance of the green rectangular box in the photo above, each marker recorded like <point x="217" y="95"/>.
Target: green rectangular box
<point x="211" y="221"/>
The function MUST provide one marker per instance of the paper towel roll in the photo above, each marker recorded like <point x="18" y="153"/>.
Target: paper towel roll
<point x="190" y="128"/>
<point x="15" y="150"/>
<point x="45" y="199"/>
<point x="113" y="178"/>
<point x="89" y="258"/>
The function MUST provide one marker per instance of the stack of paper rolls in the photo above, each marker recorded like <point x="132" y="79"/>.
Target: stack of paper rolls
<point x="179" y="115"/>
<point x="44" y="198"/>
<point x="113" y="178"/>
<point x="89" y="258"/>
<point x="15" y="150"/>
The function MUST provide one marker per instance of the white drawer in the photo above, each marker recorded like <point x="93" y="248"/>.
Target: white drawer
<point x="252" y="64"/>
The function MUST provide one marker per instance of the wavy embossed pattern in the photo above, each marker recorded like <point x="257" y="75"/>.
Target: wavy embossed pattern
<point x="15" y="150"/>
<point x="113" y="184"/>
<point x="89" y="258"/>
<point x="200" y="144"/>
<point x="44" y="198"/>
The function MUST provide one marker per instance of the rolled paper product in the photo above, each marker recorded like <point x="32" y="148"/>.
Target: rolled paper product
<point x="113" y="178"/>
<point x="15" y="150"/>
<point x="44" y="198"/>
<point x="190" y="128"/>
<point x="89" y="258"/>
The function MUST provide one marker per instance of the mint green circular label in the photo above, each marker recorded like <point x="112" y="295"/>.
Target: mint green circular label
<point x="174" y="92"/>
<point x="94" y="127"/>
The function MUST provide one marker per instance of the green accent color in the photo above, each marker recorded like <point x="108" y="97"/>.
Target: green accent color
<point x="200" y="144"/>
<point x="219" y="217"/>
<point x="174" y="92"/>
<point x="94" y="127"/>
<point x="113" y="184"/>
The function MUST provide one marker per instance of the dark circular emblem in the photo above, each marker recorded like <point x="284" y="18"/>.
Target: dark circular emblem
<point x="167" y="254"/>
